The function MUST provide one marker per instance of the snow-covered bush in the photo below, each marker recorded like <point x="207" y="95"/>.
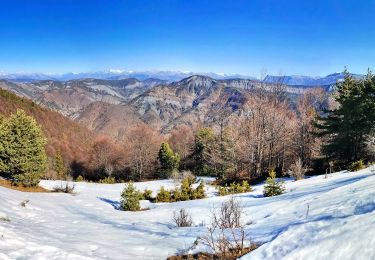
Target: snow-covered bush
<point x="130" y="197"/>
<point x="273" y="187"/>
<point x="356" y="166"/>
<point x="182" y="218"/>
<point x="297" y="171"/>
<point x="163" y="195"/>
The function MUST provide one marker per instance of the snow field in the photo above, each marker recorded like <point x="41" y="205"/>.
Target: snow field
<point x="318" y="218"/>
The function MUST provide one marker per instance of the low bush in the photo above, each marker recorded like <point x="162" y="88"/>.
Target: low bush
<point x="163" y="195"/>
<point x="108" y="180"/>
<point x="234" y="188"/>
<point x="182" y="218"/>
<point x="356" y="166"/>
<point x="183" y="193"/>
<point x="199" y="193"/>
<point x="130" y="198"/>
<point x="226" y="235"/>
<point x="147" y="194"/>
<point x="80" y="178"/>
<point x="67" y="188"/>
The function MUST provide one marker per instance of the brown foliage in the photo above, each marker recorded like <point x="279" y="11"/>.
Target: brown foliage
<point x="181" y="140"/>
<point x="142" y="144"/>
<point x="63" y="134"/>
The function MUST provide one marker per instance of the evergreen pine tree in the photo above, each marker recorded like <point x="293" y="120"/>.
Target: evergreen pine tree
<point x="203" y="149"/>
<point x="273" y="187"/>
<point x="168" y="160"/>
<point x="59" y="166"/>
<point x="348" y="126"/>
<point x="22" y="152"/>
<point x="130" y="197"/>
<point x="224" y="154"/>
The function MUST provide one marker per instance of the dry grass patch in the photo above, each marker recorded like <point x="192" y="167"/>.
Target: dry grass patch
<point x="8" y="184"/>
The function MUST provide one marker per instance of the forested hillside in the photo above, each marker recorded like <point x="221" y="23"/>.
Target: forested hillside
<point x="63" y="135"/>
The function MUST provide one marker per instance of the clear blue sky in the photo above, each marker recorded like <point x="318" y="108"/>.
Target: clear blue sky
<point x="290" y="37"/>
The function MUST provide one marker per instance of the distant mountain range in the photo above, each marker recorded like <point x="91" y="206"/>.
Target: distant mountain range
<point x="173" y="76"/>
<point x="113" y="106"/>
<point x="169" y="76"/>
<point x="307" y="80"/>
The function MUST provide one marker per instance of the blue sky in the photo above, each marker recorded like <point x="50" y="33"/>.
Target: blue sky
<point x="282" y="37"/>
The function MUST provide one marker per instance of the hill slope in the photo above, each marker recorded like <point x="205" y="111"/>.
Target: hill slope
<point x="62" y="133"/>
<point x="318" y="218"/>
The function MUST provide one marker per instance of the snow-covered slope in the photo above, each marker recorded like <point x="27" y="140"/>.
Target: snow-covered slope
<point x="318" y="218"/>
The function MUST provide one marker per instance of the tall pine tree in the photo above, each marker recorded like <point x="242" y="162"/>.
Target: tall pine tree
<point x="22" y="153"/>
<point x="203" y="150"/>
<point x="348" y="126"/>
<point x="168" y="160"/>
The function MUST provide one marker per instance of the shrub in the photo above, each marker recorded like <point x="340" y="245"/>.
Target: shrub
<point x="108" y="180"/>
<point x="147" y="194"/>
<point x="182" y="193"/>
<point x="182" y="218"/>
<point x="246" y="186"/>
<point x="226" y="234"/>
<point x="186" y="189"/>
<point x="163" y="195"/>
<point x="177" y="194"/>
<point x="186" y="192"/>
<point x="234" y="188"/>
<point x="223" y="191"/>
<point x="198" y="193"/>
<point x="356" y="166"/>
<point x="130" y="197"/>
<point x="273" y="187"/>
<point x="80" y="178"/>
<point x="64" y="188"/>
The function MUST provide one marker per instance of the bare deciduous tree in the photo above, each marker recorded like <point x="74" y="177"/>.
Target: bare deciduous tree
<point x="143" y="146"/>
<point x="181" y="141"/>
<point x="297" y="170"/>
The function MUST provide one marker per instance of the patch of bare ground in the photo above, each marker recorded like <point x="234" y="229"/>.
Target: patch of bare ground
<point x="208" y="256"/>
